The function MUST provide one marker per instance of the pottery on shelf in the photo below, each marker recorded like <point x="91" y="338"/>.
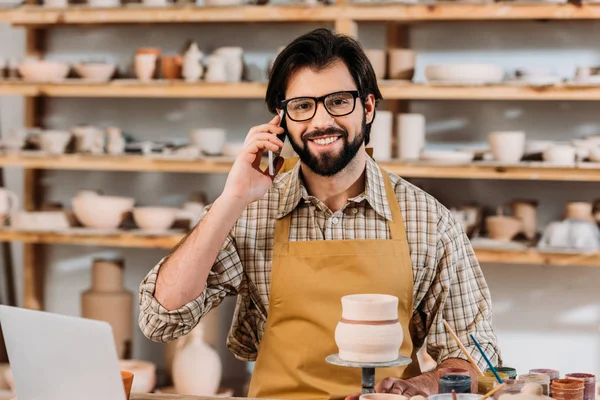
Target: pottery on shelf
<point x="503" y="227"/>
<point x="144" y="373"/>
<point x="369" y="330"/>
<point x="154" y="218"/>
<point x="410" y="130"/>
<point x="234" y="62"/>
<point x="209" y="140"/>
<point x="41" y="220"/>
<point x="171" y="67"/>
<point x="96" y="72"/>
<point x="9" y="202"/>
<point x="378" y="61"/>
<point x="101" y="212"/>
<point x="115" y="143"/>
<point x="571" y="234"/>
<point x="401" y="64"/>
<point x="560" y="154"/>
<point x="507" y="146"/>
<point x="464" y="73"/>
<point x="108" y="300"/>
<point x="192" y="63"/>
<point x="88" y="139"/>
<point x="216" y="68"/>
<point x="470" y="216"/>
<point x="43" y="71"/>
<point x="145" y="66"/>
<point x="580" y="210"/>
<point x="525" y="210"/>
<point x="54" y="142"/>
<point x="381" y="135"/>
<point x="194" y="355"/>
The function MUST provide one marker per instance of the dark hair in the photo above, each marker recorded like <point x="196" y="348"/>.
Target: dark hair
<point x="318" y="50"/>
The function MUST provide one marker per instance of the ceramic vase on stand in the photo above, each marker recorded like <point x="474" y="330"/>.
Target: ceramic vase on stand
<point x="197" y="367"/>
<point x="107" y="300"/>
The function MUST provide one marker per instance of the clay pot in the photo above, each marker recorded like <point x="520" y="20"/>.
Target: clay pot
<point x="579" y="210"/>
<point x="127" y="382"/>
<point x="149" y="50"/>
<point x="411" y="135"/>
<point x="171" y="67"/>
<point x="101" y="212"/>
<point x="381" y="135"/>
<point x="145" y="66"/>
<point x="378" y="62"/>
<point x="525" y="210"/>
<point x="507" y="146"/>
<point x="144" y="372"/>
<point x="401" y="64"/>
<point x="194" y="355"/>
<point x="502" y="227"/>
<point x="369" y="330"/>
<point x="107" y="300"/>
<point x="154" y="218"/>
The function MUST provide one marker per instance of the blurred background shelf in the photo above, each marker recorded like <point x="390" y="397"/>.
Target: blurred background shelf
<point x="133" y="14"/>
<point x="527" y="171"/>
<point x="127" y="239"/>
<point x="391" y="90"/>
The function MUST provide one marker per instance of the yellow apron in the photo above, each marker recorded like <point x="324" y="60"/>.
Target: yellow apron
<point x="308" y="280"/>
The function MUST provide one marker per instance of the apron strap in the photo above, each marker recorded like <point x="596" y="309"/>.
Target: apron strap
<point x="397" y="230"/>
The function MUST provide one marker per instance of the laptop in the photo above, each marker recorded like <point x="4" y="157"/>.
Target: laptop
<point x="58" y="357"/>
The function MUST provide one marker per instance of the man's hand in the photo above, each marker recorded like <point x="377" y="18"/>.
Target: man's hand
<point x="396" y="386"/>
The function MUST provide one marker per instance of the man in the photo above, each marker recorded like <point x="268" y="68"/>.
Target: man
<point x="292" y="246"/>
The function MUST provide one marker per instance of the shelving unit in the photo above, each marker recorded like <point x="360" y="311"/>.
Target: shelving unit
<point x="345" y="18"/>
<point x="391" y="90"/>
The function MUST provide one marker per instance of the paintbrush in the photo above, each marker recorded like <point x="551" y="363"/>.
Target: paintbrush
<point x="494" y="390"/>
<point x="465" y="352"/>
<point x="487" y="360"/>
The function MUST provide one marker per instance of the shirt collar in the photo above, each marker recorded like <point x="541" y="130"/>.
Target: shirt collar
<point x="294" y="190"/>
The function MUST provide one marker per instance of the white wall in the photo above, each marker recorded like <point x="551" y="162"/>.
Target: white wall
<point x="544" y="316"/>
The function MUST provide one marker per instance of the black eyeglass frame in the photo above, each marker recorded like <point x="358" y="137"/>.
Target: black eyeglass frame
<point x="355" y="94"/>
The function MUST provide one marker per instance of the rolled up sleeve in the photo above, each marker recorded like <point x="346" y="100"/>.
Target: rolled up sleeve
<point x="460" y="296"/>
<point x="161" y="325"/>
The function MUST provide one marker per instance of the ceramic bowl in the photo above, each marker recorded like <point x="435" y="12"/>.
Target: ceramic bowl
<point x="96" y="72"/>
<point x="476" y="73"/>
<point x="560" y="154"/>
<point x="54" y="141"/>
<point x="209" y="140"/>
<point x="43" y="71"/>
<point x="537" y="146"/>
<point x="102" y="212"/>
<point x="154" y="218"/>
<point x="501" y="227"/>
<point x="144" y="372"/>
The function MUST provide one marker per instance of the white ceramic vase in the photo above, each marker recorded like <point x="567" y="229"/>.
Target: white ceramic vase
<point x="381" y="135"/>
<point x="369" y="330"/>
<point x="197" y="367"/>
<point x="411" y="135"/>
<point x="192" y="67"/>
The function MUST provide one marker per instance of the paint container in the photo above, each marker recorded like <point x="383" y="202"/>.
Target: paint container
<point x="541" y="379"/>
<point x="451" y="371"/>
<point x="458" y="383"/>
<point x="513" y="386"/>
<point x="589" y="382"/>
<point x="511" y="372"/>
<point x="552" y="373"/>
<point x="488" y="381"/>
<point x="568" y="389"/>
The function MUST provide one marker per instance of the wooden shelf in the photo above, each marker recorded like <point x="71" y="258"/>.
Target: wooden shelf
<point x="5" y="15"/>
<point x="538" y="257"/>
<point x="132" y="240"/>
<point x="586" y="172"/>
<point x="136" y="14"/>
<point x="110" y="240"/>
<point x="397" y="90"/>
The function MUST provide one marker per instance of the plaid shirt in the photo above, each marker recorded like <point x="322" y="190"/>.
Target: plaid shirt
<point x="448" y="281"/>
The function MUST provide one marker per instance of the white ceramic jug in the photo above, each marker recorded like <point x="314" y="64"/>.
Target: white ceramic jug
<point x="192" y="67"/>
<point x="196" y="366"/>
<point x="9" y="202"/>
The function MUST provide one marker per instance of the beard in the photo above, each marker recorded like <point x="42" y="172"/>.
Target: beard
<point x="327" y="164"/>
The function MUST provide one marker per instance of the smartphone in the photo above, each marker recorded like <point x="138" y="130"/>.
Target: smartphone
<point x="280" y="137"/>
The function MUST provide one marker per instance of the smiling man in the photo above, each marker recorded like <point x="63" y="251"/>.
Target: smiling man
<point x="334" y="223"/>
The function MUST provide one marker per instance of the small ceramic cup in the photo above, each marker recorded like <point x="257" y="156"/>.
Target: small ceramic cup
<point x="401" y="64"/>
<point x="145" y="66"/>
<point x="378" y="61"/>
<point x="507" y="146"/>
<point x="560" y="154"/>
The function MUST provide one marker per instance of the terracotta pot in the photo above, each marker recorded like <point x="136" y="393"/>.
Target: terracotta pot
<point x="149" y="50"/>
<point x="369" y="330"/>
<point x="579" y="210"/>
<point x="502" y="227"/>
<point x="401" y="64"/>
<point x="525" y="210"/>
<point x="378" y="61"/>
<point x="107" y="300"/>
<point x="192" y="356"/>
<point x="127" y="382"/>
<point x="171" y="67"/>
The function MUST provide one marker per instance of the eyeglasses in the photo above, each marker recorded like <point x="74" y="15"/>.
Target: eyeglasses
<point x="338" y="104"/>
